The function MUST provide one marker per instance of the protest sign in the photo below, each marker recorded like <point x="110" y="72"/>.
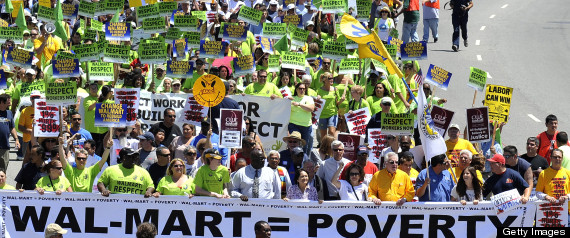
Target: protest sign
<point x="438" y="76"/>
<point x="377" y="143"/>
<point x="3" y="23"/>
<point x="154" y="25"/>
<point x="293" y="60"/>
<point x="351" y="143"/>
<point x="147" y="11"/>
<point x="152" y="53"/>
<point x="397" y="124"/>
<point x="90" y="34"/>
<point x="414" y="50"/>
<point x="299" y="36"/>
<point x="392" y="50"/>
<point x="46" y="117"/>
<point x="186" y="23"/>
<point x="111" y="6"/>
<point x="43" y="3"/>
<point x="46" y="14"/>
<point x="69" y="10"/>
<point x="333" y="6"/>
<point x="441" y="119"/>
<point x="3" y="80"/>
<point x="138" y="34"/>
<point x="27" y="88"/>
<point x="334" y="50"/>
<point x="285" y="91"/>
<point x="139" y="3"/>
<point x="20" y="57"/>
<point x="65" y="68"/>
<point x="110" y="115"/>
<point x="244" y="65"/>
<point x="152" y="107"/>
<point x="166" y="8"/>
<point x="209" y="90"/>
<point x="498" y="99"/>
<point x="173" y="33"/>
<point x="87" y="9"/>
<point x="179" y="69"/>
<point x="212" y="49"/>
<point x="349" y="66"/>
<point x="553" y="214"/>
<point x="478" y="129"/>
<point x="274" y="30"/>
<point x="131" y="98"/>
<point x="193" y="39"/>
<point x="231" y="127"/>
<point x="193" y="112"/>
<point x="274" y="63"/>
<point x="11" y="33"/>
<point x="116" y="53"/>
<point x="16" y="7"/>
<point x="62" y="94"/>
<point x="266" y="45"/>
<point x="293" y="20"/>
<point x="96" y="25"/>
<point x="200" y="15"/>
<point x="250" y="15"/>
<point x="506" y="201"/>
<point x="363" y="8"/>
<point x="64" y="55"/>
<point x="235" y="32"/>
<point x="477" y="79"/>
<point x="117" y="31"/>
<point x="269" y="118"/>
<point x="100" y="8"/>
<point x="357" y="121"/>
<point x="87" y="52"/>
<point x="316" y="114"/>
<point x="100" y="71"/>
<point x="28" y="213"/>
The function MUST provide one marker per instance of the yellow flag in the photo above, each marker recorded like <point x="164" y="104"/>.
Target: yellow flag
<point x="369" y="44"/>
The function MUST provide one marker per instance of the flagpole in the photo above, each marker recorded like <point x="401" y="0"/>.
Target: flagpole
<point x="429" y="184"/>
<point x="409" y="90"/>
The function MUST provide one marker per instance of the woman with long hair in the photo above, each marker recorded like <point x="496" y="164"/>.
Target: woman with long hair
<point x="53" y="181"/>
<point x="302" y="107"/>
<point x="302" y="190"/>
<point x="176" y="182"/>
<point x="468" y="188"/>
<point x="329" y="116"/>
<point x="380" y="91"/>
<point x="352" y="187"/>
<point x="179" y="143"/>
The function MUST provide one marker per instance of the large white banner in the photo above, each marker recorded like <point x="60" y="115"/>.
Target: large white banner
<point x="91" y="215"/>
<point x="269" y="118"/>
<point x="151" y="107"/>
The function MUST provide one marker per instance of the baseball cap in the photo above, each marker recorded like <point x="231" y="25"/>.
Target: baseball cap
<point x="298" y="150"/>
<point x="362" y="150"/>
<point x="454" y="126"/>
<point x="176" y="82"/>
<point x="212" y="153"/>
<point x="386" y="100"/>
<point x="273" y="2"/>
<point x="160" y="66"/>
<point x="30" y="71"/>
<point x="146" y="136"/>
<point x="35" y="94"/>
<point x="497" y="158"/>
<point x="290" y="6"/>
<point x="309" y="23"/>
<point x="127" y="151"/>
<point x="54" y="229"/>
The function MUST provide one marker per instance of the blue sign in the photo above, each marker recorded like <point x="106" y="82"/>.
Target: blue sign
<point x="414" y="50"/>
<point x="179" y="69"/>
<point x="244" y="65"/>
<point x="65" y="68"/>
<point x="117" y="31"/>
<point x="3" y="80"/>
<point x="213" y="49"/>
<point x="180" y="48"/>
<point x="266" y="45"/>
<point x="438" y="76"/>
<point x="19" y="57"/>
<point x="234" y="32"/>
<point x="110" y="115"/>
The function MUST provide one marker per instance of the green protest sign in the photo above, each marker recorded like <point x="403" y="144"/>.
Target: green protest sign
<point x="100" y="71"/>
<point x="273" y="64"/>
<point x="87" y="52"/>
<point x="100" y="8"/>
<point x="317" y="3"/>
<point x="96" y="25"/>
<point x="363" y="8"/>
<point x="137" y="35"/>
<point x="46" y="14"/>
<point x="477" y="79"/>
<point x="89" y="34"/>
<point x="394" y="33"/>
<point x="274" y="30"/>
<point x="250" y="15"/>
<point x="154" y="25"/>
<point x="200" y="15"/>
<point x="116" y="53"/>
<point x="172" y="34"/>
<point x="186" y="23"/>
<point x="166" y="8"/>
<point x="61" y="93"/>
<point x="111" y="6"/>
<point x="193" y="39"/>
<point x="334" y="50"/>
<point x="152" y="53"/>
<point x="147" y="11"/>
<point x="333" y="6"/>
<point x="392" y="50"/>
<point x="397" y="124"/>
<point x="299" y="37"/>
<point x="293" y="60"/>
<point x="11" y="33"/>
<point x="87" y="9"/>
<point x="65" y="55"/>
<point x="349" y="66"/>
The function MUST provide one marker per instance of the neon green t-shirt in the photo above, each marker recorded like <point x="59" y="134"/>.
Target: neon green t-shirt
<point x="330" y="97"/>
<point x="343" y="106"/>
<point x="119" y="179"/>
<point x="189" y="83"/>
<point x="59" y="184"/>
<point x="90" y="115"/>
<point x="212" y="180"/>
<point x="168" y="187"/>
<point x="298" y="115"/>
<point x="375" y="107"/>
<point x="265" y="90"/>
<point x="8" y="187"/>
<point x="82" y="179"/>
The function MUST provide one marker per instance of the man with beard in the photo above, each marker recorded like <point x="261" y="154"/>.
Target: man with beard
<point x="120" y="141"/>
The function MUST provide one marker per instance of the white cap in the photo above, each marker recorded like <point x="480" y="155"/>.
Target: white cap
<point x="30" y="71"/>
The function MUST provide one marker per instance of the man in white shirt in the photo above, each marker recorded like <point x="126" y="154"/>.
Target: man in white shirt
<point x="255" y="180"/>
<point x="330" y="167"/>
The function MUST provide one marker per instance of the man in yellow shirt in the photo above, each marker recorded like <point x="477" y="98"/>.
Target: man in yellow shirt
<point x="456" y="145"/>
<point x="46" y="46"/>
<point x="465" y="158"/>
<point x="391" y="184"/>
<point x="553" y="182"/>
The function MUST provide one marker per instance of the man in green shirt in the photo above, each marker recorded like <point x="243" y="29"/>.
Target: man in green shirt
<point x="199" y="71"/>
<point x="262" y="87"/>
<point x="126" y="177"/>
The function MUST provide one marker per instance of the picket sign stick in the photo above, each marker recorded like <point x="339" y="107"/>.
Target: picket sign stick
<point x="429" y="184"/>
<point x="474" y="96"/>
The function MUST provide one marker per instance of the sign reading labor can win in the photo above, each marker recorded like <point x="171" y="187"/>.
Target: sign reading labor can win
<point x="498" y="100"/>
<point x="397" y="124"/>
<point x="110" y="115"/>
<point x="414" y="50"/>
<point x="65" y="68"/>
<point x="231" y="127"/>
<point x="61" y="93"/>
<point x="117" y="31"/>
<point x="46" y="117"/>
<point x="438" y="76"/>
<point x="209" y="90"/>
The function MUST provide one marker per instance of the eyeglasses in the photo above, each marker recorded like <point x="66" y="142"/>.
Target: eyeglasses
<point x="58" y="168"/>
<point x="262" y="77"/>
<point x="354" y="174"/>
<point x="392" y="162"/>
<point x="76" y="119"/>
<point x="176" y="85"/>
<point x="81" y="158"/>
<point x="164" y="155"/>
<point x="121" y="130"/>
<point x="191" y="153"/>
<point x="26" y="35"/>
<point x="177" y="166"/>
<point x="326" y="62"/>
<point x="293" y="141"/>
<point x="171" y="116"/>
<point x="50" y="141"/>
<point x="337" y="150"/>
<point x="34" y="34"/>
<point x="301" y="88"/>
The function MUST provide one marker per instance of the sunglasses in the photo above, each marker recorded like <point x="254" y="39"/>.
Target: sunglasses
<point x="171" y="116"/>
<point x="293" y="141"/>
<point x="176" y="85"/>
<point x="338" y="150"/>
<point x="178" y="166"/>
<point x="354" y="174"/>
<point x="301" y="88"/>
<point x="191" y="153"/>
<point x="392" y="162"/>
<point x="165" y="155"/>
<point x="81" y="158"/>
<point x="58" y="168"/>
<point x="76" y="119"/>
<point x="121" y="130"/>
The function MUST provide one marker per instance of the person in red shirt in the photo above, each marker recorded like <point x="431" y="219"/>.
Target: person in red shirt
<point x="247" y="145"/>
<point x="547" y="139"/>
<point x="362" y="159"/>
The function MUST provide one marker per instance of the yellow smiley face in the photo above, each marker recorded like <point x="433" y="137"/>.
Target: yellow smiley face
<point x="209" y="90"/>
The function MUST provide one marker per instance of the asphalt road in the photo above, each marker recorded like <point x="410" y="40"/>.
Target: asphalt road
<point x="521" y="44"/>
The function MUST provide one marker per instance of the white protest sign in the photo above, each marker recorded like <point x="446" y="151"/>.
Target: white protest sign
<point x="46" y="117"/>
<point x="193" y="112"/>
<point x="357" y="121"/>
<point x="131" y="97"/>
<point x="506" y="201"/>
<point x="152" y="107"/>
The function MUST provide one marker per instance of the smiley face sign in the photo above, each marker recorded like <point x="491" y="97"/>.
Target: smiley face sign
<point x="209" y="90"/>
